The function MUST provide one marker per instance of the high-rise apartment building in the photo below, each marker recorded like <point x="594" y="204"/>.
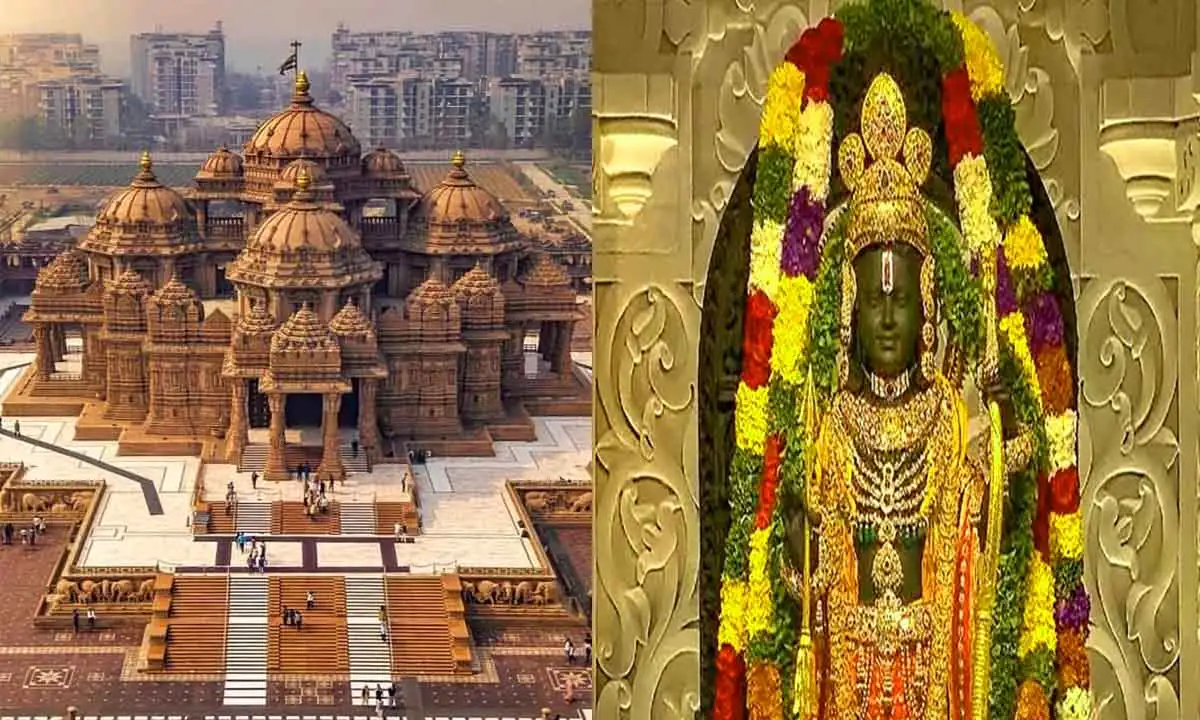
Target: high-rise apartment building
<point x="527" y="107"/>
<point x="406" y="89"/>
<point x="179" y="74"/>
<point x="411" y="110"/>
<point x="56" y="78"/>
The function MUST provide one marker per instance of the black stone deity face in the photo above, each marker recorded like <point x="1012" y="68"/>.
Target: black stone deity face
<point x="887" y="312"/>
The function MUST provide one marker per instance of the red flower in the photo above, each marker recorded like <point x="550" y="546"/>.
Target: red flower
<point x="1041" y="518"/>
<point x="1064" y="491"/>
<point x="832" y="35"/>
<point x="730" y="700"/>
<point x="757" y="339"/>
<point x="816" y="84"/>
<point x="801" y="53"/>
<point x="770" y="481"/>
<point x="963" y="135"/>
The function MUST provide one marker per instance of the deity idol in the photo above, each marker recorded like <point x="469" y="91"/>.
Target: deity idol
<point x="893" y="496"/>
<point x="871" y="539"/>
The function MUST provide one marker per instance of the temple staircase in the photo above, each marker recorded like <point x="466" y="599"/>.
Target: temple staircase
<point x="370" y="657"/>
<point x="358" y="518"/>
<point x="253" y="518"/>
<point x="246" y="641"/>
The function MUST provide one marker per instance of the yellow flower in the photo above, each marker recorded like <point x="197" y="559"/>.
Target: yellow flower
<point x="813" y="149"/>
<point x="794" y="300"/>
<point x="1037" y="630"/>
<point x="1066" y="535"/>
<point x="766" y="244"/>
<point x="1075" y="704"/>
<point x="759" y="610"/>
<point x="1023" y="246"/>
<point x="732" y="630"/>
<point x="1061" y="433"/>
<point x="750" y="418"/>
<point x="983" y="63"/>
<point x="973" y="193"/>
<point x="785" y="90"/>
<point x="1013" y="327"/>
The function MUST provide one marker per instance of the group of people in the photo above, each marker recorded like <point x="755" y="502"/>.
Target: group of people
<point x="314" y="497"/>
<point x="91" y="619"/>
<point x="569" y="651"/>
<point x="295" y="618"/>
<point x="28" y="535"/>
<point x="257" y="559"/>
<point x="379" y="699"/>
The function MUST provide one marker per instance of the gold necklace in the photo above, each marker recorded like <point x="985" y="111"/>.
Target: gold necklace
<point x="888" y="389"/>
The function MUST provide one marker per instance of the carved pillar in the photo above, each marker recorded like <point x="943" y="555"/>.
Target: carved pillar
<point x="329" y="305"/>
<point x="277" y="455"/>
<point x="167" y="269"/>
<point x="561" y="362"/>
<point x="513" y="360"/>
<point x="545" y="340"/>
<point x="368" y="423"/>
<point x="45" y="353"/>
<point x="58" y="343"/>
<point x="239" y="433"/>
<point x="331" y="453"/>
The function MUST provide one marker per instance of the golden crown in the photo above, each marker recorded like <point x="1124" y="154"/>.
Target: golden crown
<point x="885" y="199"/>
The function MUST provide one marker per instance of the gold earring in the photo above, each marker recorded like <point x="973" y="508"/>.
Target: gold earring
<point x="849" y="286"/>
<point x="928" y="348"/>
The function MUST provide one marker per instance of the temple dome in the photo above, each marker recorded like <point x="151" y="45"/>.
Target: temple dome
<point x="382" y="162"/>
<point x="432" y="292"/>
<point x="304" y="244"/>
<point x="66" y="273"/>
<point x="129" y="282"/>
<point x="350" y="322"/>
<point x="256" y="322"/>
<point x="546" y="273"/>
<point x="145" y="201"/>
<point x="304" y="225"/>
<point x="291" y="172"/>
<point x="174" y="292"/>
<point x="476" y="282"/>
<point x="302" y="331"/>
<point x="221" y="165"/>
<point x="457" y="198"/>
<point x="303" y="130"/>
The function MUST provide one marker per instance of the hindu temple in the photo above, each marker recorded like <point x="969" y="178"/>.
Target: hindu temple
<point x="302" y="283"/>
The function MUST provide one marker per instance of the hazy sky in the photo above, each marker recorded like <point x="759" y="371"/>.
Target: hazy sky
<point x="257" y="32"/>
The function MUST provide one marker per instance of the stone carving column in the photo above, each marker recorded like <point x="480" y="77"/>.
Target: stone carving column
<point x="368" y="423"/>
<point x="277" y="455"/>
<point x="331" y="453"/>
<point x="239" y="432"/>
<point x="513" y="361"/>
<point x="45" y="353"/>
<point x="561" y="360"/>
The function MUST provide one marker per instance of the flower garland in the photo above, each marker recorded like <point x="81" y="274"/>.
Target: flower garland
<point x="791" y="332"/>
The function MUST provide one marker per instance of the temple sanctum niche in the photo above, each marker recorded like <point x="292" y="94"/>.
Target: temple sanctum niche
<point x="302" y="299"/>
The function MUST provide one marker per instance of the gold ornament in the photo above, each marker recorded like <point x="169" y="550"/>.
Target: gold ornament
<point x="928" y="349"/>
<point x="885" y="201"/>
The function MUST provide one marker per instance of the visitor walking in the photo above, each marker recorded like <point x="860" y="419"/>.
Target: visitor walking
<point x="298" y="617"/>
<point x="354" y="447"/>
<point x="587" y="651"/>
<point x="75" y="620"/>
<point x="310" y="600"/>
<point x="379" y="695"/>
<point x="366" y="694"/>
<point x="254" y="480"/>
<point x="91" y="618"/>
<point x="8" y="533"/>
<point x="383" y="633"/>
<point x="569" y="651"/>
<point x="392" y="694"/>
<point x="17" y="428"/>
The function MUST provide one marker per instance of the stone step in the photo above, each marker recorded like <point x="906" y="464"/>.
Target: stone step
<point x="357" y="519"/>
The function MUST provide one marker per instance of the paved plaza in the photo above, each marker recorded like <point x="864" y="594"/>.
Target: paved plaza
<point x="467" y="520"/>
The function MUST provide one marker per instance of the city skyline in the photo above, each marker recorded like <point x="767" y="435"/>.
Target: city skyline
<point x="257" y="34"/>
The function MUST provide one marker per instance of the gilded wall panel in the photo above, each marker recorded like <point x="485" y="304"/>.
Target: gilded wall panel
<point x="1137" y="319"/>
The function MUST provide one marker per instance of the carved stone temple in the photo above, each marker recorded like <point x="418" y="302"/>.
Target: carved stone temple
<point x="302" y="284"/>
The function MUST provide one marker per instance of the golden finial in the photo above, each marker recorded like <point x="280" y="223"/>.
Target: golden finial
<point x="302" y="85"/>
<point x="146" y="161"/>
<point x="303" y="181"/>
<point x="885" y="201"/>
<point x="459" y="160"/>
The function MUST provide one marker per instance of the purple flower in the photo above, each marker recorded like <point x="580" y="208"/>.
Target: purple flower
<point x="802" y="236"/>
<point x="1072" y="612"/>
<point x="1043" y="322"/>
<point x="1006" y="296"/>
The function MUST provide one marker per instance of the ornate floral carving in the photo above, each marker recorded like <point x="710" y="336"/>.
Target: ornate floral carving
<point x="1129" y="455"/>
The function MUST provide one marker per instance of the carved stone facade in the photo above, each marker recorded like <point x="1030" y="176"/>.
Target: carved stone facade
<point x="276" y="289"/>
<point x="1106" y="97"/>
